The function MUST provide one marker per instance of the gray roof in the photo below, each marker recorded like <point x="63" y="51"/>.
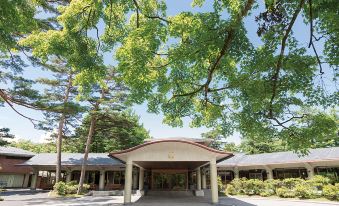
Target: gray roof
<point x="321" y="154"/>
<point x="72" y="159"/>
<point x="12" y="151"/>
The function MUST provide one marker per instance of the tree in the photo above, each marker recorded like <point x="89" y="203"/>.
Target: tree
<point x="203" y="65"/>
<point x="62" y="111"/>
<point x="4" y="134"/>
<point x="18" y="19"/>
<point x="34" y="147"/>
<point x="113" y="131"/>
<point x="111" y="94"/>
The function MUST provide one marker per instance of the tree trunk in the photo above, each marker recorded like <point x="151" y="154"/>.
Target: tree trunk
<point x="60" y="130"/>
<point x="87" y="149"/>
<point x="59" y="145"/>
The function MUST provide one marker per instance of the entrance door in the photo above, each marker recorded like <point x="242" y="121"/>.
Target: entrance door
<point x="169" y="180"/>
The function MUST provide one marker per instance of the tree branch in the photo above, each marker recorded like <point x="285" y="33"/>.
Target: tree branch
<point x="226" y="45"/>
<point x="275" y="76"/>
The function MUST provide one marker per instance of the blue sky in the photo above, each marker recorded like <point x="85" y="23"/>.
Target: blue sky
<point x="22" y="128"/>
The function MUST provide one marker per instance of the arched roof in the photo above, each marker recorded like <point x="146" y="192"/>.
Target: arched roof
<point x="171" y="150"/>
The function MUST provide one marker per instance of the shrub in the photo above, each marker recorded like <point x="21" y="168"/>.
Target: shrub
<point x="319" y="181"/>
<point x="230" y="190"/>
<point x="270" y="187"/>
<point x="253" y="187"/>
<point x="331" y="191"/>
<point x="290" y="183"/>
<point x="285" y="192"/>
<point x="221" y="186"/>
<point x="60" y="188"/>
<point x="69" y="188"/>
<point x="305" y="191"/>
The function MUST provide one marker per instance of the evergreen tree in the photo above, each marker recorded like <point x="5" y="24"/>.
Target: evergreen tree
<point x="5" y="134"/>
<point x="114" y="131"/>
<point x="109" y="95"/>
<point x="62" y="112"/>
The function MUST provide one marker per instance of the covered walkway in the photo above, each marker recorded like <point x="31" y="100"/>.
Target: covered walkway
<point x="168" y="165"/>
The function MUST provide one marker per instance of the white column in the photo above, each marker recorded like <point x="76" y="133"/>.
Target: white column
<point x="69" y="176"/>
<point x="198" y="179"/>
<point x="203" y="179"/>
<point x="128" y="182"/>
<point x="310" y="171"/>
<point x="102" y="180"/>
<point x="269" y="173"/>
<point x="214" y="181"/>
<point x="34" y="179"/>
<point x="236" y="172"/>
<point x="141" y="179"/>
<point x="135" y="180"/>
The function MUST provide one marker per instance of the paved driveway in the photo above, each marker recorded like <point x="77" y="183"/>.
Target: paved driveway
<point x="40" y="198"/>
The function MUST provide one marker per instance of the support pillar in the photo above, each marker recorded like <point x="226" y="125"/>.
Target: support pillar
<point x="236" y="172"/>
<point x="128" y="182"/>
<point x="214" y="181"/>
<point x="69" y="176"/>
<point x="34" y="179"/>
<point x="25" y="182"/>
<point x="141" y="179"/>
<point x="198" y="179"/>
<point x="135" y="180"/>
<point x="102" y="180"/>
<point x="310" y="170"/>
<point x="198" y="191"/>
<point x="269" y="173"/>
<point x="203" y="179"/>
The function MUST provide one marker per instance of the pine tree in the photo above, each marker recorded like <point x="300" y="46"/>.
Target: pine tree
<point x="110" y="94"/>
<point x="62" y="109"/>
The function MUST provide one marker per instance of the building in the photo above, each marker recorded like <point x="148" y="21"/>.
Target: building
<point x="12" y="175"/>
<point x="179" y="164"/>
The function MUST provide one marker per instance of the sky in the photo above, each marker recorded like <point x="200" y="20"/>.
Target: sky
<point x="24" y="129"/>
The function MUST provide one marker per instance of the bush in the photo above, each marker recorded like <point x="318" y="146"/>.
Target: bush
<point x="290" y="183"/>
<point x="253" y="187"/>
<point x="285" y="192"/>
<point x="306" y="191"/>
<point x="230" y="190"/>
<point x="287" y="188"/>
<point x="319" y="181"/>
<point x="221" y="186"/>
<point x="69" y="188"/>
<point x="331" y="192"/>
<point x="60" y="188"/>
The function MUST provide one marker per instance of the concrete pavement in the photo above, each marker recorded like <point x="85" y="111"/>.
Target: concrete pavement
<point x="40" y="198"/>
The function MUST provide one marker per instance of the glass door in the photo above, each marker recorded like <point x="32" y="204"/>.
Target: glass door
<point x="169" y="181"/>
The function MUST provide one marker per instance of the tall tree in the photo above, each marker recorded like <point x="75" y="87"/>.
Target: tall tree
<point x="203" y="65"/>
<point x="17" y="20"/>
<point x="62" y="111"/>
<point x="111" y="94"/>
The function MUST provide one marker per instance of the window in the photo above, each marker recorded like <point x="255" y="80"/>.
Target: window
<point x="290" y="173"/>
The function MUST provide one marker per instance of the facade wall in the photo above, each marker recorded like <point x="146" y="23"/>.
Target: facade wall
<point x="12" y="175"/>
<point x="8" y="165"/>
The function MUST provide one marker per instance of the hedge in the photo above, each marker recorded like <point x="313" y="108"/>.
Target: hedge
<point x="316" y="187"/>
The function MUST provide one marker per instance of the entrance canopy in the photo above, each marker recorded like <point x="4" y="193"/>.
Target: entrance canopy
<point x="170" y="154"/>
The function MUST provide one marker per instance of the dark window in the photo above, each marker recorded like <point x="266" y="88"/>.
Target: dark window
<point x="290" y="173"/>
